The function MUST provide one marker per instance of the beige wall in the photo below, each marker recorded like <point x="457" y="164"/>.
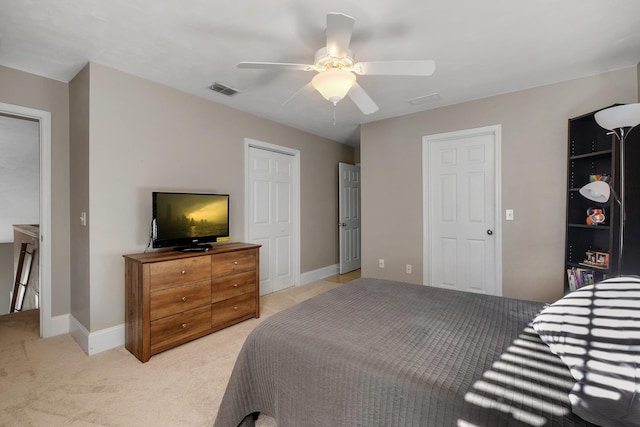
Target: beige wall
<point x="534" y="156"/>
<point x="28" y="90"/>
<point x="144" y="137"/>
<point x="79" y="109"/>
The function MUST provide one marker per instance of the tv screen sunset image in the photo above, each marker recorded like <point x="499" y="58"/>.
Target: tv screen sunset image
<point x="191" y="215"/>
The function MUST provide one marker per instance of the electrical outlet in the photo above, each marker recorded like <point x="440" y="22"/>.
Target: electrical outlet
<point x="409" y="269"/>
<point x="381" y="263"/>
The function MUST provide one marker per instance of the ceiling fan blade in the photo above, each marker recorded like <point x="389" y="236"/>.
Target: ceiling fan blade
<point x="276" y="66"/>
<point x="395" y="68"/>
<point x="308" y="88"/>
<point x="362" y="100"/>
<point x="339" y="30"/>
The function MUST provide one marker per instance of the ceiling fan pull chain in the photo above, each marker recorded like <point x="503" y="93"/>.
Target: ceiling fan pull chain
<point x="334" y="115"/>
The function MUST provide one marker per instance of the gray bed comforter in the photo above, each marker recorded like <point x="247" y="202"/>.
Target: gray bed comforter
<point x="381" y="353"/>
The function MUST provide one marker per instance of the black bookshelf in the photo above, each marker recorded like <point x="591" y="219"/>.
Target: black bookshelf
<point x="593" y="150"/>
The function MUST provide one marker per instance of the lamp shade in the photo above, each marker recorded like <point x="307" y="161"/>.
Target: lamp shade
<point x="597" y="191"/>
<point x="620" y="116"/>
<point x="333" y="84"/>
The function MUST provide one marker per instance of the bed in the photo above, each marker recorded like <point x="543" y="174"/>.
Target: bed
<point x="381" y="353"/>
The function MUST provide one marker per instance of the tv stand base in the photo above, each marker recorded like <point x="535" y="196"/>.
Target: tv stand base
<point x="195" y="248"/>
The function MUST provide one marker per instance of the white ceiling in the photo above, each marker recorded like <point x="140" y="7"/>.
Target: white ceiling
<point x="481" y="48"/>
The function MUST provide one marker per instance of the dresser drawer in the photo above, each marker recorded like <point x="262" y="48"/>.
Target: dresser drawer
<point x="182" y="298"/>
<point x="231" y="286"/>
<point x="228" y="310"/>
<point x="232" y="262"/>
<point x="179" y="272"/>
<point x="178" y="326"/>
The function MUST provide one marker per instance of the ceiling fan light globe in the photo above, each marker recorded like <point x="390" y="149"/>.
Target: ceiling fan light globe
<point x="333" y="84"/>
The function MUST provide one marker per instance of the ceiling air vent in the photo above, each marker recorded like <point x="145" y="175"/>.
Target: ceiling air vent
<point x="225" y="90"/>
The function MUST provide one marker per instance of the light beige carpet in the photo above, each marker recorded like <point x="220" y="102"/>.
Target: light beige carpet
<point x="52" y="382"/>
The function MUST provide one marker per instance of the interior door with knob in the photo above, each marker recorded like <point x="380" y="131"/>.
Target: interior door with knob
<point x="462" y="248"/>
<point x="349" y="217"/>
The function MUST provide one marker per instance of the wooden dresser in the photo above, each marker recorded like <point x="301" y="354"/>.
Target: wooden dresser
<point x="175" y="297"/>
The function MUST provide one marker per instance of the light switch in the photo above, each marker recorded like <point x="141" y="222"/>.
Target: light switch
<point x="509" y="215"/>
<point x="83" y="218"/>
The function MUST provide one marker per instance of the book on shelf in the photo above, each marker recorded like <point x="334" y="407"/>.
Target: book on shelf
<point x="579" y="277"/>
<point x="572" y="279"/>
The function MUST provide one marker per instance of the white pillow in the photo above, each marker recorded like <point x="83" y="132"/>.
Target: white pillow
<point x="595" y="330"/>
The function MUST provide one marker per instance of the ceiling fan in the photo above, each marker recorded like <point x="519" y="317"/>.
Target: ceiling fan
<point x="336" y="66"/>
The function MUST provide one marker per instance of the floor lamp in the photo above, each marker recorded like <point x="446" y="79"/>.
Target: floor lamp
<point x="619" y="119"/>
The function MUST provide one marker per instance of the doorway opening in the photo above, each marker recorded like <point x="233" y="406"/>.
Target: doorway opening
<point x="44" y="259"/>
<point x="349" y="218"/>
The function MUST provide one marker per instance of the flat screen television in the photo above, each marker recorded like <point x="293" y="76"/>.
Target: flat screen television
<point x="189" y="221"/>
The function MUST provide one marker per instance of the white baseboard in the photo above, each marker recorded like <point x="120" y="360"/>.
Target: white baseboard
<point x="58" y="325"/>
<point x="319" y="274"/>
<point x="96" y="342"/>
<point x="79" y="333"/>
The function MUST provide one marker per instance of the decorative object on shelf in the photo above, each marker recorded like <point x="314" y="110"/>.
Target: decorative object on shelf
<point x="590" y="257"/>
<point x="620" y="119"/>
<point x="602" y="259"/>
<point x="595" y="216"/>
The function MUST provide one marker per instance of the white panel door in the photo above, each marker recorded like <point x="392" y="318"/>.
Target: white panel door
<point x="462" y="250"/>
<point x="349" y="217"/>
<point x="271" y="219"/>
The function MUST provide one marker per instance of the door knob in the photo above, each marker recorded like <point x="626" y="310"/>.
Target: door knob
<point x="342" y="224"/>
<point x="489" y="232"/>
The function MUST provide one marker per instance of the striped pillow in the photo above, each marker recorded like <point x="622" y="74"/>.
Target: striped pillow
<point x="596" y="332"/>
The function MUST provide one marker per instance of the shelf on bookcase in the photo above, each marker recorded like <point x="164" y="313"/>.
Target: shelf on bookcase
<point x="592" y="154"/>
<point x="593" y="266"/>
<point x="591" y="227"/>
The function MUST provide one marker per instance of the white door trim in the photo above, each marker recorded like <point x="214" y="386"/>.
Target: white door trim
<point x="496" y="131"/>
<point x="44" y="118"/>
<point x="248" y="143"/>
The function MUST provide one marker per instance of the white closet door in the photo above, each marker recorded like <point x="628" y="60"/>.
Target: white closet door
<point x="271" y="216"/>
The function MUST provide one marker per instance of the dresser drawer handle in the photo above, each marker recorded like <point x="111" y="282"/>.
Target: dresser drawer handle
<point x="184" y="326"/>
<point x="235" y="285"/>
<point x="235" y="262"/>
<point x="183" y="272"/>
<point x="184" y="299"/>
<point x="235" y="308"/>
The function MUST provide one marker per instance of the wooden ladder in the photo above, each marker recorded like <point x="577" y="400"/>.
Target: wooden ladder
<point x="20" y="288"/>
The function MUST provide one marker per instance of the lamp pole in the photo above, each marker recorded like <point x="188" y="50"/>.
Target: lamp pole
<point x="622" y="215"/>
<point x="622" y="118"/>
